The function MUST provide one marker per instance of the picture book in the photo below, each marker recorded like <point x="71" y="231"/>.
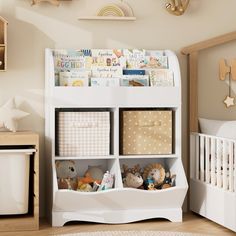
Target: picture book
<point x="133" y="72"/>
<point x="108" y="57"/>
<point x="107" y="71"/>
<point x="74" y="78"/>
<point x="159" y="62"/>
<point x="134" y="58"/>
<point x="134" y="80"/>
<point x="161" y="78"/>
<point x="68" y="60"/>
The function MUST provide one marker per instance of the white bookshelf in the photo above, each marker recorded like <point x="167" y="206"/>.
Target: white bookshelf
<point x="116" y="205"/>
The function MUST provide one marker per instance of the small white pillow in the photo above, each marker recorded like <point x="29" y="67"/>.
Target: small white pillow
<point x="219" y="128"/>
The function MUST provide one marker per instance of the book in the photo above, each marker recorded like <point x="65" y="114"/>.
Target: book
<point x="161" y="78"/>
<point x="107" y="71"/>
<point x="67" y="61"/>
<point x="134" y="58"/>
<point x="134" y="80"/>
<point x="158" y="62"/>
<point x="108" y="57"/>
<point x="75" y="78"/>
<point x="133" y="72"/>
<point x="105" y="82"/>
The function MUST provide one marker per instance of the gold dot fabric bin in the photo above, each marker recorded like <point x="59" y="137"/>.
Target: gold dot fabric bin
<point x="84" y="133"/>
<point x="146" y="132"/>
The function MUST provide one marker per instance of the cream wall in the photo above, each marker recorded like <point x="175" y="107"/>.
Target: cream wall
<point x="32" y="29"/>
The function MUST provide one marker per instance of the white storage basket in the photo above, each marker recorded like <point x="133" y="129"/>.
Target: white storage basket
<point x="84" y="133"/>
<point x="14" y="181"/>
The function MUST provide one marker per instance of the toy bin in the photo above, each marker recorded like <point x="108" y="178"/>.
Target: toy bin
<point x="14" y="181"/>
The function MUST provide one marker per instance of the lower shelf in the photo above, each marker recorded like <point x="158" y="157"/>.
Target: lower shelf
<point x="129" y="204"/>
<point x="116" y="216"/>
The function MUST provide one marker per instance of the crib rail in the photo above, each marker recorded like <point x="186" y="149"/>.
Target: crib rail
<point x="213" y="161"/>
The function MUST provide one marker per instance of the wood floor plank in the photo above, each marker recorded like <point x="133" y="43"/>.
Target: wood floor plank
<point x="191" y="223"/>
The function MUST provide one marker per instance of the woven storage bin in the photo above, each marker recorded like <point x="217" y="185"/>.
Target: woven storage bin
<point x="147" y="132"/>
<point x="83" y="133"/>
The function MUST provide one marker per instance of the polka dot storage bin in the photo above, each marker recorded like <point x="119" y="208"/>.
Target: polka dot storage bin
<point x="146" y="132"/>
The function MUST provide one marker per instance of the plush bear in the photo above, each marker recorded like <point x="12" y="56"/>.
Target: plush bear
<point x="66" y="175"/>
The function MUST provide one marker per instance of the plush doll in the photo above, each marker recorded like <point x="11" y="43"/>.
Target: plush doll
<point x="96" y="173"/>
<point x="66" y="175"/>
<point x="156" y="172"/>
<point x="82" y="187"/>
<point x="93" y="174"/>
<point x="132" y="177"/>
<point x="107" y="181"/>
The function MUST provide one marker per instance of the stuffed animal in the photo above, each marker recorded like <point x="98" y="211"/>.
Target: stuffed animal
<point x="93" y="174"/>
<point x="107" y="181"/>
<point x="96" y="173"/>
<point x="132" y="177"/>
<point x="156" y="172"/>
<point x="82" y="187"/>
<point x="66" y="175"/>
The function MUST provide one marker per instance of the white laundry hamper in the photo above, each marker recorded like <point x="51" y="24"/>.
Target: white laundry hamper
<point x="14" y="181"/>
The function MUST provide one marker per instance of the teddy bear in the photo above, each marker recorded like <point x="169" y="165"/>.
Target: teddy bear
<point x="66" y="174"/>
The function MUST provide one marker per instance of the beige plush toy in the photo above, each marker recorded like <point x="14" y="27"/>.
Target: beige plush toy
<point x="66" y="175"/>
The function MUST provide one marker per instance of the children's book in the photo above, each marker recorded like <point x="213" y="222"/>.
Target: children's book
<point x="133" y="72"/>
<point x="155" y="62"/>
<point x="134" y="80"/>
<point x="134" y="58"/>
<point x="161" y="78"/>
<point x="69" y="60"/>
<point x="108" y="57"/>
<point x="74" y="78"/>
<point x="107" y="71"/>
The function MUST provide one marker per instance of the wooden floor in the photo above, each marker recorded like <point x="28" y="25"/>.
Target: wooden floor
<point x="191" y="223"/>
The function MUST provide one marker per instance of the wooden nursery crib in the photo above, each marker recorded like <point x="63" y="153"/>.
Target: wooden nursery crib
<point x="212" y="157"/>
<point x="213" y="178"/>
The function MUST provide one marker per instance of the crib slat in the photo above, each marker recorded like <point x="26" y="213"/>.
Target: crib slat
<point x="218" y="162"/>
<point x="213" y="156"/>
<point x="207" y="161"/>
<point x="225" y="163"/>
<point x="197" y="158"/>
<point x="231" y="180"/>
<point x="202" y="144"/>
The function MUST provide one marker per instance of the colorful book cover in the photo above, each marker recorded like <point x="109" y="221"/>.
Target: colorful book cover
<point x="133" y="72"/>
<point x="107" y="71"/>
<point x="161" y="78"/>
<point x="155" y="62"/>
<point x="108" y="57"/>
<point x="74" y="78"/>
<point x="134" y="80"/>
<point x="105" y="82"/>
<point x="68" y="60"/>
<point x="134" y="58"/>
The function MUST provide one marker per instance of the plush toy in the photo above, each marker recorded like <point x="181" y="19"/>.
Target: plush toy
<point x="95" y="172"/>
<point x="82" y="187"/>
<point x="156" y="172"/>
<point x="66" y="175"/>
<point x="149" y="184"/>
<point x="132" y="177"/>
<point x="107" y="181"/>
